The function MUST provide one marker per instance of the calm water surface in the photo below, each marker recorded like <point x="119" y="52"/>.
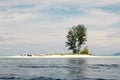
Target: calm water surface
<point x="60" y="69"/>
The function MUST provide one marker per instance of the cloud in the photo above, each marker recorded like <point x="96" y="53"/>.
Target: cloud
<point x="14" y="18"/>
<point x="6" y="38"/>
<point x="114" y="35"/>
<point x="47" y="22"/>
<point x="95" y="19"/>
<point x="51" y="9"/>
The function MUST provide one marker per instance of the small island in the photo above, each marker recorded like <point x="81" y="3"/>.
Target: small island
<point x="76" y="37"/>
<point x="54" y="56"/>
<point x="84" y="53"/>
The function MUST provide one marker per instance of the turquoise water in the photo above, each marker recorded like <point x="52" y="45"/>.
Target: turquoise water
<point x="60" y="68"/>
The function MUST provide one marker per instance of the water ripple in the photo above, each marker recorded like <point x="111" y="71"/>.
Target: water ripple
<point x="45" y="78"/>
<point x="8" y="78"/>
<point x="46" y="66"/>
<point x="105" y="66"/>
<point x="95" y="79"/>
<point x="48" y="78"/>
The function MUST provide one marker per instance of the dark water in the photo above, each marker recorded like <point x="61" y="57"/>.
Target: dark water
<point x="60" y="69"/>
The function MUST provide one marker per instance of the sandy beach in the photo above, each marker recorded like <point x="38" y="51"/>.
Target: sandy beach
<point x="62" y="56"/>
<point x="51" y="56"/>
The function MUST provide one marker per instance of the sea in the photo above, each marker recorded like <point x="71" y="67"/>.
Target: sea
<point x="99" y="68"/>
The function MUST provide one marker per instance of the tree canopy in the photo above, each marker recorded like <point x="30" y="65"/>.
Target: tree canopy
<point x="76" y="37"/>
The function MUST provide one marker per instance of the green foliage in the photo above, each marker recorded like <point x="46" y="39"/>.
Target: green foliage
<point x="71" y="41"/>
<point x="85" y="51"/>
<point x="76" y="37"/>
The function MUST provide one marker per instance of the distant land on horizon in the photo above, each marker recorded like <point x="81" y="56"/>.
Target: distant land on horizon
<point x="117" y="54"/>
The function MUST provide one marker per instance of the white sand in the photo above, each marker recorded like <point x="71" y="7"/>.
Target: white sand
<point x="54" y="56"/>
<point x="61" y="56"/>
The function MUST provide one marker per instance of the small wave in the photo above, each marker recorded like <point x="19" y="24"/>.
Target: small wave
<point x="6" y="78"/>
<point x="96" y="79"/>
<point x="47" y="66"/>
<point x="94" y="67"/>
<point x="45" y="78"/>
<point x="105" y="65"/>
<point x="103" y="79"/>
<point x="114" y="65"/>
<point x="111" y="65"/>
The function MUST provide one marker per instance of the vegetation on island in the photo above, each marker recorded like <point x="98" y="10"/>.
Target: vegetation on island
<point x="85" y="51"/>
<point x="76" y="37"/>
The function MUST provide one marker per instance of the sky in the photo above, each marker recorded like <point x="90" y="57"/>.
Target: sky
<point x="40" y="26"/>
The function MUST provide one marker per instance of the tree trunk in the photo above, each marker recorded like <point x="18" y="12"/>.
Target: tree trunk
<point x="74" y="51"/>
<point x="78" y="48"/>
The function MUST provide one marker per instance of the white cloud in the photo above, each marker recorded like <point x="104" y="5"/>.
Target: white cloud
<point x="96" y="17"/>
<point x="35" y="25"/>
<point x="6" y="38"/>
<point x="99" y="12"/>
<point x="106" y="2"/>
<point x="30" y="38"/>
<point x="15" y="18"/>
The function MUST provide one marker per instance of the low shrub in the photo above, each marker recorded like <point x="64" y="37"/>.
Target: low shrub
<point x="85" y="51"/>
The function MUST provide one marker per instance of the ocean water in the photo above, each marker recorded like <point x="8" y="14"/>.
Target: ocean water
<point x="60" y="68"/>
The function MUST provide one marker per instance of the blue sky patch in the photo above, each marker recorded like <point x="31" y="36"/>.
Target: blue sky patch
<point x="112" y="8"/>
<point x="62" y="11"/>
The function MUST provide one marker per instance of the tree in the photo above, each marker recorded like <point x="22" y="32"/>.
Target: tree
<point x="76" y="37"/>
<point x="85" y="51"/>
<point x="71" y="41"/>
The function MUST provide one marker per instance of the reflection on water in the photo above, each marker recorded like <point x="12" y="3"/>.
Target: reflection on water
<point x="78" y="72"/>
<point x="94" y="69"/>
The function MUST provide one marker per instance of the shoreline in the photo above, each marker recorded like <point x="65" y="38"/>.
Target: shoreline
<point x="53" y="56"/>
<point x="60" y="56"/>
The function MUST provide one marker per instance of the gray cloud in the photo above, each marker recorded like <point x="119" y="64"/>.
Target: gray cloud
<point x="7" y="38"/>
<point x="114" y="35"/>
<point x="10" y="39"/>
